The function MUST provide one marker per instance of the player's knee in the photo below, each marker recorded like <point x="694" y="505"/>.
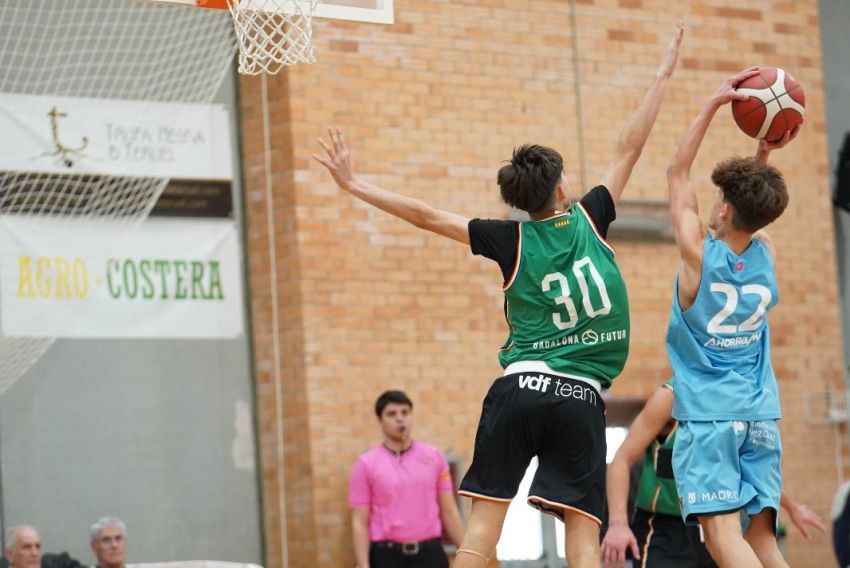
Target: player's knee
<point x="711" y="543"/>
<point x="582" y="549"/>
<point x="582" y="540"/>
<point x="479" y="539"/>
<point x="761" y="538"/>
<point x="716" y="533"/>
<point x="583" y="554"/>
<point x="714" y="536"/>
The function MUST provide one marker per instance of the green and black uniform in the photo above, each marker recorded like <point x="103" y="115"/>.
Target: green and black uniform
<point x="665" y="541"/>
<point x="566" y="301"/>
<point x="568" y="320"/>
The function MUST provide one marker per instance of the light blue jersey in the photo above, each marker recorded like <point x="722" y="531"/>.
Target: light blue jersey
<point x="720" y="347"/>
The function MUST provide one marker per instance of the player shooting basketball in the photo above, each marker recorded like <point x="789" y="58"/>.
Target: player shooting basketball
<point x="726" y="456"/>
<point x="568" y="315"/>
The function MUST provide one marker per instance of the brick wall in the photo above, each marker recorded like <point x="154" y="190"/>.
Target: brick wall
<point x="431" y="106"/>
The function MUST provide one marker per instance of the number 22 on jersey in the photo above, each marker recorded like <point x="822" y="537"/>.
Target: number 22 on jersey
<point x="716" y="324"/>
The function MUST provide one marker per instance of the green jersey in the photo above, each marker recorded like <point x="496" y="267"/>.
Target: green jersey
<point x="566" y="302"/>
<point x="657" y="489"/>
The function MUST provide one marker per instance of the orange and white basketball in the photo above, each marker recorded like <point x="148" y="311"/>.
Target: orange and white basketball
<point x="776" y="104"/>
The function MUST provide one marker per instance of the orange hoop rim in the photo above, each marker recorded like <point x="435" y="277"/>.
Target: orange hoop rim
<point x="214" y="4"/>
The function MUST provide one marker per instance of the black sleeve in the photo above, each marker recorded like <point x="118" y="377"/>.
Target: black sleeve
<point x="497" y="240"/>
<point x="599" y="205"/>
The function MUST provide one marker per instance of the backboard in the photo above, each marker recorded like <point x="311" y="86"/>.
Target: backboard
<point x="373" y="11"/>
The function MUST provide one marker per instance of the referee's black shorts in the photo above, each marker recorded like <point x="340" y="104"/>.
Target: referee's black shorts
<point x="665" y="541"/>
<point x="559" y="420"/>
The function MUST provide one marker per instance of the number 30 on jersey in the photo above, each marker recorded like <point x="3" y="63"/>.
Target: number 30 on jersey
<point x="566" y="300"/>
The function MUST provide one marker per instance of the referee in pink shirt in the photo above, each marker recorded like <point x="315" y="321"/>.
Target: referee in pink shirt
<point x="401" y="496"/>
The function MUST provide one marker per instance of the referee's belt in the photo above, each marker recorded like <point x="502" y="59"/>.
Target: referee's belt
<point x="408" y="548"/>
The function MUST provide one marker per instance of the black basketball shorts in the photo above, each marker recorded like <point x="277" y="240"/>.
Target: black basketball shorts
<point x="557" y="419"/>
<point x="665" y="541"/>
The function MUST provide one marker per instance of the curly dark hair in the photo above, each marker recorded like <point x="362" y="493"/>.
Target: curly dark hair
<point x="757" y="193"/>
<point x="530" y="179"/>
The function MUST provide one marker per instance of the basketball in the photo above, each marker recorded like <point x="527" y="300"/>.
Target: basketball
<point x="776" y="104"/>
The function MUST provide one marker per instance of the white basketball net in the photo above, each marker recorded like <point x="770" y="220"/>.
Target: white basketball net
<point x="272" y="33"/>
<point x="100" y="49"/>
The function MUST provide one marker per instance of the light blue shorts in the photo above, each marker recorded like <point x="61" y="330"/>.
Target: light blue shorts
<point x="724" y="466"/>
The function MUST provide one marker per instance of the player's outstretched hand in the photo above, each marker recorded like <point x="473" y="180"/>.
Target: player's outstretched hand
<point x="765" y="146"/>
<point x="614" y="545"/>
<point x="338" y="159"/>
<point x="668" y="64"/>
<point x="802" y="516"/>
<point x="726" y="92"/>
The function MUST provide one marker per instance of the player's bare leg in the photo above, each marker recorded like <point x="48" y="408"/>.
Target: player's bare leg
<point x="581" y="540"/>
<point x="762" y="538"/>
<point x="725" y="542"/>
<point x="482" y="533"/>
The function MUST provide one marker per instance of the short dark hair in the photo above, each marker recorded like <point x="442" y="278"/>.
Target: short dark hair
<point x="756" y="192"/>
<point x="530" y="179"/>
<point x="389" y="396"/>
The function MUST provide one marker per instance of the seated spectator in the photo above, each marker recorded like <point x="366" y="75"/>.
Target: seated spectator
<point x="22" y="546"/>
<point x="108" y="542"/>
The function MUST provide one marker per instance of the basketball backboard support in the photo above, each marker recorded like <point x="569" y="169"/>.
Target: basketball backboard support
<point x="371" y="11"/>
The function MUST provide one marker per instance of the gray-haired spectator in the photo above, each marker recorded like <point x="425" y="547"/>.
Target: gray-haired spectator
<point x="23" y="550"/>
<point x="108" y="542"/>
<point x="23" y="547"/>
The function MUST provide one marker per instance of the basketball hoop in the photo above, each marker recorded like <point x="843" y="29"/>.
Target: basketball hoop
<point x="272" y="33"/>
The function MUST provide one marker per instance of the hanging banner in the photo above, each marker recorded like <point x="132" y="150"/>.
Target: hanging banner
<point x="166" y="279"/>
<point x="72" y="135"/>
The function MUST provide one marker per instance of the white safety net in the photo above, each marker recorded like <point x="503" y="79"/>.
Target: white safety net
<point x="132" y="50"/>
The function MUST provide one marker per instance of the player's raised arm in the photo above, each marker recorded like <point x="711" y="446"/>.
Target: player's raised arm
<point x="637" y="129"/>
<point x="414" y="211"/>
<point x="763" y="151"/>
<point x="684" y="212"/>
<point x="764" y="147"/>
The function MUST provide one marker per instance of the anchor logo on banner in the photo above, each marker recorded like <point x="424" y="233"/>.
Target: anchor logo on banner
<point x="64" y="152"/>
